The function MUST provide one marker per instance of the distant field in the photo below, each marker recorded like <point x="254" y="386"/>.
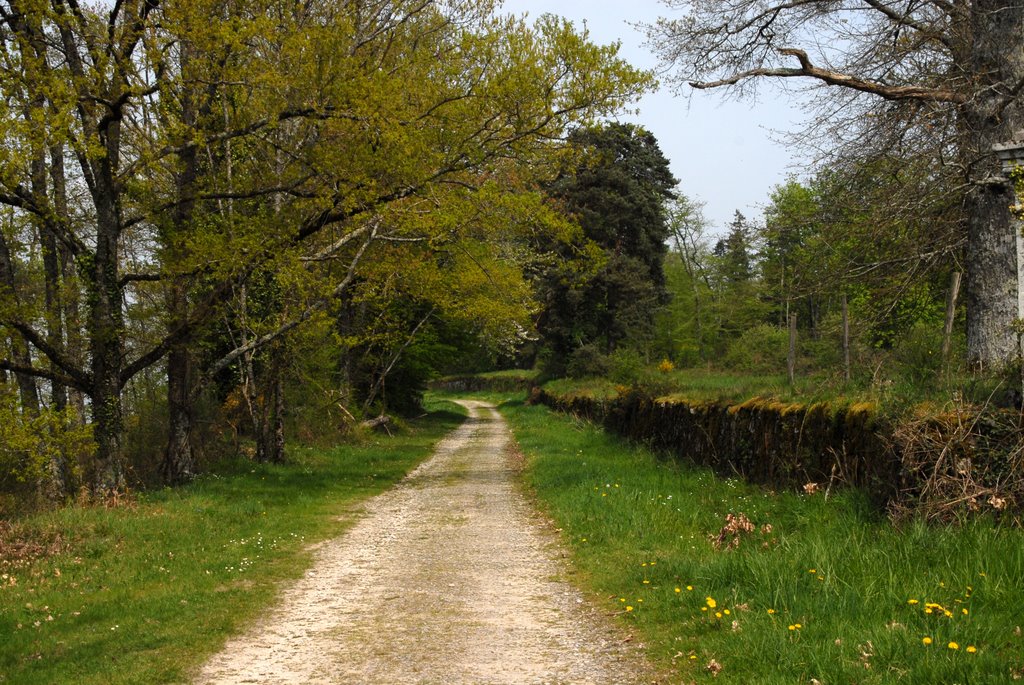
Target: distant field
<point x="800" y="589"/>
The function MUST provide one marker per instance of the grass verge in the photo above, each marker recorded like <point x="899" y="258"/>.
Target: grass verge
<point x="802" y="589"/>
<point x="144" y="592"/>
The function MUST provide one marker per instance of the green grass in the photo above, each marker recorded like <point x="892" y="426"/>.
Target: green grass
<point x="518" y="374"/>
<point x="892" y="397"/>
<point x="641" y="534"/>
<point x="699" y="385"/>
<point x="143" y="593"/>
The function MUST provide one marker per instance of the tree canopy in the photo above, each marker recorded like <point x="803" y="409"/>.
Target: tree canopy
<point x="199" y="189"/>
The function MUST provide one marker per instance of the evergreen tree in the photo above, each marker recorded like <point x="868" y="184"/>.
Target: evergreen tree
<point x="617" y="189"/>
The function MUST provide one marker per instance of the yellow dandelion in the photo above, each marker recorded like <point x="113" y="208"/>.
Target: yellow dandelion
<point x="812" y="570"/>
<point x="928" y="610"/>
<point x="953" y="645"/>
<point x="964" y="611"/>
<point x="629" y="608"/>
<point x="912" y="601"/>
<point x="703" y="608"/>
<point x="771" y="611"/>
<point x="718" y="614"/>
<point x="798" y="626"/>
<point x="647" y="582"/>
<point x="792" y="627"/>
<point x="971" y="649"/>
<point x="726" y="612"/>
<point x="679" y="590"/>
<point x="948" y="613"/>
<point x="622" y="599"/>
<point x="711" y="602"/>
<point x="926" y="640"/>
<point x="693" y="657"/>
<point x="689" y="588"/>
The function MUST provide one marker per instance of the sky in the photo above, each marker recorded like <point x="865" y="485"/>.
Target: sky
<point x="723" y="151"/>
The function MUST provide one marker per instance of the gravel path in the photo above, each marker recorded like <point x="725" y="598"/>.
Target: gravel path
<point x="448" y="578"/>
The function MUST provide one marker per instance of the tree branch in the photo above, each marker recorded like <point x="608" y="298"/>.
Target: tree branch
<point x="835" y="78"/>
<point x="59" y="378"/>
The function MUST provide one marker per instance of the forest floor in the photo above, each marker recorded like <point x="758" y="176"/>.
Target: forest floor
<point x="450" y="577"/>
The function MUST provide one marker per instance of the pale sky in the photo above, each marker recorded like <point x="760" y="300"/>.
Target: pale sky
<point x="722" y="151"/>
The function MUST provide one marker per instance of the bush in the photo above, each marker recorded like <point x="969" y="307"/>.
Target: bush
<point x="761" y="349"/>
<point x="626" y="367"/>
<point x="918" y="355"/>
<point x="29" y="444"/>
<point x="587" y="361"/>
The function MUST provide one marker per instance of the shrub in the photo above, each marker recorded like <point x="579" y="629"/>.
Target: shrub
<point x="626" y="366"/>
<point x="761" y="349"/>
<point x="587" y="361"/>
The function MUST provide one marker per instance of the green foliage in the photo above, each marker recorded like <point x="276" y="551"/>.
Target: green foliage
<point x="918" y="355"/>
<point x="761" y="349"/>
<point x="587" y="360"/>
<point x="30" y="445"/>
<point x="642" y="532"/>
<point x="616" y="186"/>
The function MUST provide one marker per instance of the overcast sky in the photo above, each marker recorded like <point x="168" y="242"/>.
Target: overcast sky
<point x="722" y="151"/>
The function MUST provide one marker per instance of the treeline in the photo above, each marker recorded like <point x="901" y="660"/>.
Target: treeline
<point x="843" y="276"/>
<point x="220" y="215"/>
<point x="869" y="285"/>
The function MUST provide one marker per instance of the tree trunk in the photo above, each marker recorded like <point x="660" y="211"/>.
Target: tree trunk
<point x="69" y="284"/>
<point x="846" y="339"/>
<point x="951" y="300"/>
<point x="106" y="333"/>
<point x="179" y="464"/>
<point x="20" y="352"/>
<point x="270" y="433"/>
<point x="791" y="356"/>
<point x="993" y="292"/>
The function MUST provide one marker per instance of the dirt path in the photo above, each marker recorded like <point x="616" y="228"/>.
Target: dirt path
<point x="447" y="578"/>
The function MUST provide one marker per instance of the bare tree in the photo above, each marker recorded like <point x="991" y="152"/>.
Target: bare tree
<point x="945" y="76"/>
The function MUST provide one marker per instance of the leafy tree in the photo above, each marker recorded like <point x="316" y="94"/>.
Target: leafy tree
<point x="937" y="82"/>
<point x="617" y="188"/>
<point x="173" y="160"/>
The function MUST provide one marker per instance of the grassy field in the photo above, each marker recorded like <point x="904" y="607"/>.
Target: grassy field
<point x="142" y="593"/>
<point x="801" y="589"/>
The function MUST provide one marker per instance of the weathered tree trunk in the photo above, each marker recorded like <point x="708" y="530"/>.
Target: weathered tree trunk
<point x="993" y="291"/>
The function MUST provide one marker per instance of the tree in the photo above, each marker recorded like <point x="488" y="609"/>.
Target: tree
<point x="616" y="187"/>
<point x="281" y="138"/>
<point x="940" y="78"/>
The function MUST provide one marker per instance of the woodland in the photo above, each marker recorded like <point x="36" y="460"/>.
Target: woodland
<point x="228" y="224"/>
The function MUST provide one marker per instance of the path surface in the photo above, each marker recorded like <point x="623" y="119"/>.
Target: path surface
<point x="448" y="578"/>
